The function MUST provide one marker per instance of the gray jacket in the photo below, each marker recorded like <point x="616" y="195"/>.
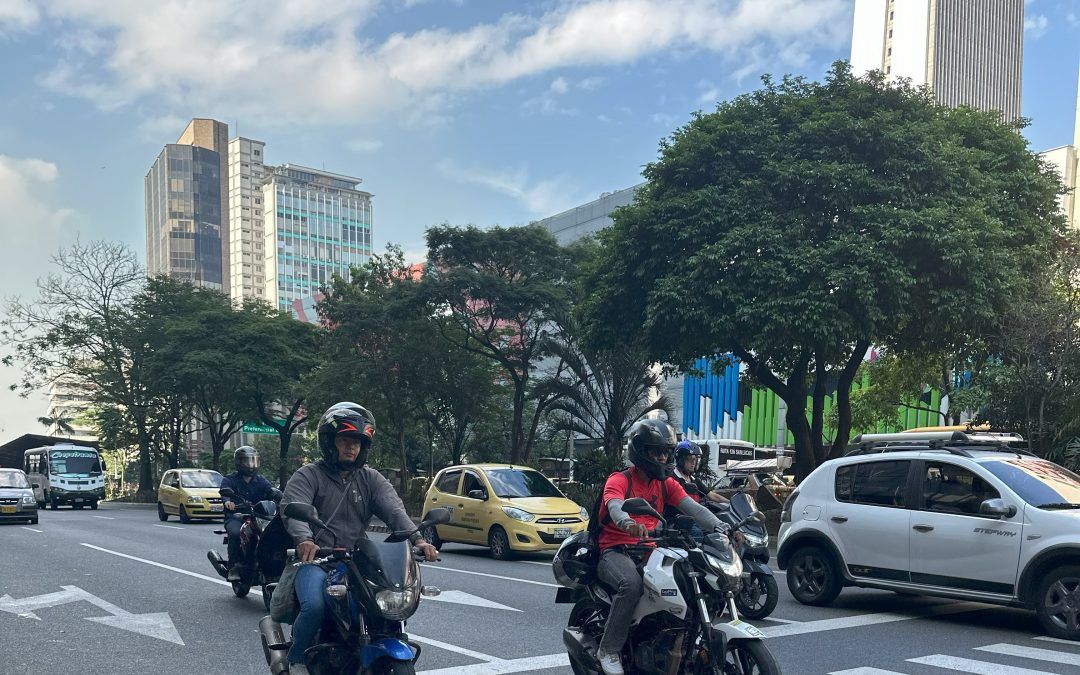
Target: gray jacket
<point x="346" y="503"/>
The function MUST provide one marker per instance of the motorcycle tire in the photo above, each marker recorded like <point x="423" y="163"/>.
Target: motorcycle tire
<point x="581" y="612"/>
<point x="748" y="656"/>
<point x="399" y="668"/>
<point x="240" y="589"/>
<point x="767" y="591"/>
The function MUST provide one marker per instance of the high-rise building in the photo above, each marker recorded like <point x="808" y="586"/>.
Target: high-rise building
<point x="316" y="224"/>
<point x="1066" y="160"/>
<point x="247" y="256"/>
<point x="969" y="52"/>
<point x="589" y="218"/>
<point x="69" y="402"/>
<point x="213" y="135"/>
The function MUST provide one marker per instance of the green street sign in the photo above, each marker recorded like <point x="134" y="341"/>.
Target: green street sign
<point x="258" y="428"/>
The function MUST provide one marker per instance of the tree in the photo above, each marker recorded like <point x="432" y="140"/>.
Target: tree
<point x="506" y="290"/>
<point x="801" y="223"/>
<point x="61" y="424"/>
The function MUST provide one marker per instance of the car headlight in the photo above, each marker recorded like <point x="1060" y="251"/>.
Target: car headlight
<point x="729" y="569"/>
<point x="584" y="514"/>
<point x="393" y="603"/>
<point x="195" y="499"/>
<point x="754" y="541"/>
<point x="518" y="514"/>
<point x="29" y="499"/>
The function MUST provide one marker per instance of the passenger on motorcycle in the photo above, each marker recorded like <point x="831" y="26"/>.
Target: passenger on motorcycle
<point x="651" y="443"/>
<point x="346" y="494"/>
<point x="248" y="485"/>
<point x="687" y="462"/>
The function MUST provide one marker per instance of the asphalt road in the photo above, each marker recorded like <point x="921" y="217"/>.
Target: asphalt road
<point x="115" y="591"/>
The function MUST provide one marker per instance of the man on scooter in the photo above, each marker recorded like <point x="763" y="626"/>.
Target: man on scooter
<point x="650" y="446"/>
<point x="346" y="493"/>
<point x="248" y="485"/>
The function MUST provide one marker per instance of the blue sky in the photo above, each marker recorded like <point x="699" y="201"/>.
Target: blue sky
<point x="462" y="111"/>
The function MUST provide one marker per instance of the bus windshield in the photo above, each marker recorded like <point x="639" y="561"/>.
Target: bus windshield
<point x="74" y="461"/>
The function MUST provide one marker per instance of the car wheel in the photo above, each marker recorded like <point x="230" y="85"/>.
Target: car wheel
<point x="812" y="576"/>
<point x="431" y="535"/>
<point x="1057" y="602"/>
<point x="184" y="517"/>
<point x="161" y="515"/>
<point x="499" y="544"/>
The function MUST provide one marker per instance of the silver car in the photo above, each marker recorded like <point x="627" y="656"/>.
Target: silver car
<point x="17" y="500"/>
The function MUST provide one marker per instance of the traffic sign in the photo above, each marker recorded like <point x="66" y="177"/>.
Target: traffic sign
<point x="259" y="428"/>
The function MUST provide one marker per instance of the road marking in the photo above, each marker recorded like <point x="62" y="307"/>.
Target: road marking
<point x="163" y="566"/>
<point x="1032" y="653"/>
<point x="773" y="618"/>
<point x="526" y="665"/>
<point x="441" y="568"/>
<point x="860" y="620"/>
<point x="973" y="666"/>
<point x="453" y="648"/>
<point x="171" y="527"/>
<point x="463" y="598"/>
<point x="535" y="562"/>
<point x="104" y="517"/>
<point x="1060" y="641"/>
<point x="33" y="530"/>
<point x="865" y="671"/>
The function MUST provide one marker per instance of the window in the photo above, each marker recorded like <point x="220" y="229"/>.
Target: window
<point x="949" y="488"/>
<point x="471" y="482"/>
<point x="448" y="482"/>
<point x="876" y="483"/>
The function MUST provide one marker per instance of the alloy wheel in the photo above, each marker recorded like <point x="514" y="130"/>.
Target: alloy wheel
<point x="1062" y="602"/>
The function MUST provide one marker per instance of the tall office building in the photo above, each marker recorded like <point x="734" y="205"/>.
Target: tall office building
<point x="247" y="256"/>
<point x="316" y="224"/>
<point x="969" y="52"/>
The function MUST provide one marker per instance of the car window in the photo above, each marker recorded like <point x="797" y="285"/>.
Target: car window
<point x="875" y="483"/>
<point x="510" y="483"/>
<point x="949" y="488"/>
<point x="201" y="479"/>
<point x="1038" y="482"/>
<point x="167" y="478"/>
<point x="13" y="479"/>
<point x="471" y="482"/>
<point x="448" y="482"/>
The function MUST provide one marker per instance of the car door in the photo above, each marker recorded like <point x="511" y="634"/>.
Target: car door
<point x="869" y="518"/>
<point x="445" y="494"/>
<point x="472" y="511"/>
<point x="952" y="544"/>
<point x="170" y="492"/>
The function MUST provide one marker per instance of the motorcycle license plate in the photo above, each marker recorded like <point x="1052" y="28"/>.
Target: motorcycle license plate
<point x="215" y="507"/>
<point x="7" y="509"/>
<point x="562" y="532"/>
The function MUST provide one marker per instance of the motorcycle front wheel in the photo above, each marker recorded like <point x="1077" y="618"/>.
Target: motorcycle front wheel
<point x="748" y="657"/>
<point x="757" y="599"/>
<point x="399" y="668"/>
<point x="240" y="589"/>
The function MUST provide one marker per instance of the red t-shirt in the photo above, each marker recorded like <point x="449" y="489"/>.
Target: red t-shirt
<point x="641" y="486"/>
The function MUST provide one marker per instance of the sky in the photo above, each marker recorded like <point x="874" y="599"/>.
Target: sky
<point x="484" y="112"/>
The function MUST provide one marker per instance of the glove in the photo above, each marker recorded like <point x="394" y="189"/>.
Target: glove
<point x="723" y="528"/>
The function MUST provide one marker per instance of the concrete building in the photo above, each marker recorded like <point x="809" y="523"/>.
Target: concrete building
<point x="588" y="218"/>
<point x="247" y="259"/>
<point x="70" y="402"/>
<point x="1066" y="160"/>
<point x="316" y="224"/>
<point x="969" y="52"/>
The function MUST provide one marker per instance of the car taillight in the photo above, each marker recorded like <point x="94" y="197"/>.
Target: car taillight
<point x="785" y="515"/>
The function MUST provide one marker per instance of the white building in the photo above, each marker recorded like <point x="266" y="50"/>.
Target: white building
<point x="969" y="52"/>
<point x="1066" y="160"/>
<point x="69" y="401"/>
<point x="247" y="257"/>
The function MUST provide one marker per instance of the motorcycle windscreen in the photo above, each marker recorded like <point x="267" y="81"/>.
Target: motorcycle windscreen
<point x="384" y="564"/>
<point x="273" y="544"/>
<point x="742" y="505"/>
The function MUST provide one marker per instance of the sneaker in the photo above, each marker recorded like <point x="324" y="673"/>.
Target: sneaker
<point x="611" y="664"/>
<point x="298" y="669"/>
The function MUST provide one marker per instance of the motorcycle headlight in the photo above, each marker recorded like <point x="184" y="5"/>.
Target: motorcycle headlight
<point x="518" y="514"/>
<point x="731" y="569"/>
<point x="584" y="514"/>
<point x="754" y="541"/>
<point x="395" y="603"/>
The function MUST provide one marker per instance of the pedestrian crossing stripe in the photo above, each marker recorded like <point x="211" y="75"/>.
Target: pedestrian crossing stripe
<point x="980" y="667"/>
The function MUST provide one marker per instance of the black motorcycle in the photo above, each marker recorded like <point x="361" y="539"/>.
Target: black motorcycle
<point x="759" y="593"/>
<point x="372" y="589"/>
<point x="263" y="546"/>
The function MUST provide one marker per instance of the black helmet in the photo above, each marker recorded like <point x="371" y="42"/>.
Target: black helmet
<point x="646" y="437"/>
<point x="685" y="449"/>
<point x="348" y="420"/>
<point x="246" y="460"/>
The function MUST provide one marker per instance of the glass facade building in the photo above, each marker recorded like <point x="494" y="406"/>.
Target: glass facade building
<point x="317" y="224"/>
<point x="184" y="215"/>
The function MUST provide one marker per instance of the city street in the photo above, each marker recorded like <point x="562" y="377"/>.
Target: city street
<point x="117" y="591"/>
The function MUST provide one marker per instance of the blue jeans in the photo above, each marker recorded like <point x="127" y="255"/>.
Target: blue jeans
<point x="311" y="592"/>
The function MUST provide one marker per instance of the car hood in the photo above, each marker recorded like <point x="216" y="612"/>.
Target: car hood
<point x="543" y="506"/>
<point x="15" y="492"/>
<point x="202" y="492"/>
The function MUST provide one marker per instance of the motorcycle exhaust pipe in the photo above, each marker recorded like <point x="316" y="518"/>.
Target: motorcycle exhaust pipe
<point x="275" y="647"/>
<point x="577" y="648"/>
<point x="219" y="563"/>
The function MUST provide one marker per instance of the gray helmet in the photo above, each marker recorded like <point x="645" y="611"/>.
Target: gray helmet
<point x="246" y="460"/>
<point x="645" y="438"/>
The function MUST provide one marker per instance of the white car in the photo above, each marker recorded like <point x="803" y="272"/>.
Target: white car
<point x="943" y="514"/>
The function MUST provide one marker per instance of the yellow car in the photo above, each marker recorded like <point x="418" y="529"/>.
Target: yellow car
<point x="510" y="509"/>
<point x="189" y="493"/>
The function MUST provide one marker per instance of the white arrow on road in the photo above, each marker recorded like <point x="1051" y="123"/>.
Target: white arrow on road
<point x="155" y="624"/>
<point x="463" y="598"/>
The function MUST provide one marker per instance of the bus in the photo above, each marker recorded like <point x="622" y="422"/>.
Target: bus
<point x="66" y="474"/>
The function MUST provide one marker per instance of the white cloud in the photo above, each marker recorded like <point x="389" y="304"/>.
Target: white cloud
<point x="560" y="86"/>
<point x="542" y="197"/>
<point x="310" y="60"/>
<point x="548" y="103"/>
<point x="590" y="83"/>
<point x="1036" y="25"/>
<point x="365" y="146"/>
<point x="709" y="93"/>
<point x="18" y="15"/>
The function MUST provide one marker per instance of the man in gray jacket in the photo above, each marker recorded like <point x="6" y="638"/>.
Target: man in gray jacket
<point x="346" y="494"/>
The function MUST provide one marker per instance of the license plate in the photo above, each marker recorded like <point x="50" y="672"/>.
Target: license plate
<point x="215" y="507"/>
<point x="562" y="532"/>
<point x="78" y="501"/>
<point x="7" y="509"/>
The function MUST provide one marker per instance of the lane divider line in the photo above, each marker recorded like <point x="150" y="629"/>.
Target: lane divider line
<point x="171" y="527"/>
<point x="491" y="576"/>
<point x="104" y="517"/>
<point x="860" y="620"/>
<point x="204" y="577"/>
<point x="531" y="664"/>
<point x="33" y="530"/>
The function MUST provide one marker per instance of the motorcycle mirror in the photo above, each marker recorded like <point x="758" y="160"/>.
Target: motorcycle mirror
<point x="303" y="512"/>
<point x="227" y="492"/>
<point x="636" y="506"/>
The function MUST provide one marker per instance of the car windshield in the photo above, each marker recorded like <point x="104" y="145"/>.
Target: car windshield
<point x="13" y="479"/>
<point x="200" y="479"/>
<point x="518" y="483"/>
<point x="1038" y="482"/>
<point x="74" y="461"/>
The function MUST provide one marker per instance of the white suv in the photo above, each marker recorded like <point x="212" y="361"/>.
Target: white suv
<point x="942" y="514"/>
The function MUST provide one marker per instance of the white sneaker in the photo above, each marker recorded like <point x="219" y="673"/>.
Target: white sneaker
<point x="611" y="664"/>
<point x="299" y="669"/>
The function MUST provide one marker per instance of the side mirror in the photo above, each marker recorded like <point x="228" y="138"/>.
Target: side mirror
<point x="303" y="512"/>
<point x="477" y="494"/>
<point x="438" y="516"/>
<point x="997" y="508"/>
<point x="636" y="506"/>
<point x="229" y="493"/>
<point x="35" y="485"/>
<point x="103" y="467"/>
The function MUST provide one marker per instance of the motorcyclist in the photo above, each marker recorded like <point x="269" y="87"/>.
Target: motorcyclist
<point x="248" y="485"/>
<point x="687" y="462"/>
<point x="346" y="494"/>
<point x="650" y="446"/>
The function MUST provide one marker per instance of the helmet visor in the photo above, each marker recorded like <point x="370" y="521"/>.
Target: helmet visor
<point x="660" y="453"/>
<point x="248" y="461"/>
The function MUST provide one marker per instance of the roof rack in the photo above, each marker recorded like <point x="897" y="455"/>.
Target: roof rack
<point x="953" y="442"/>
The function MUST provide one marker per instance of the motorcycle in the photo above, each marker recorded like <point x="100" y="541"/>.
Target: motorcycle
<point x="678" y="626"/>
<point x="372" y="589"/>
<point x="263" y="545"/>
<point x="759" y="594"/>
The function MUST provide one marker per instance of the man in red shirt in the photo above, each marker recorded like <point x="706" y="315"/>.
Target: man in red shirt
<point x="651" y="443"/>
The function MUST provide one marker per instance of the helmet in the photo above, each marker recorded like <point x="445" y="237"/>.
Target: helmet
<point x="575" y="563"/>
<point x="246" y="460"/>
<point x="348" y="420"/>
<point x="685" y="449"/>
<point x="646" y="437"/>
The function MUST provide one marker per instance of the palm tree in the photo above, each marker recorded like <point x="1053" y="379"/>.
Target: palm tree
<point x="58" y="425"/>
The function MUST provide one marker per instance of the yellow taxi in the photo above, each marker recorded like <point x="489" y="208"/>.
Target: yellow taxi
<point x="510" y="509"/>
<point x="189" y="494"/>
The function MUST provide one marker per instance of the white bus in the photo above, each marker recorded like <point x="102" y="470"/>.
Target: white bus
<point x="66" y="474"/>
